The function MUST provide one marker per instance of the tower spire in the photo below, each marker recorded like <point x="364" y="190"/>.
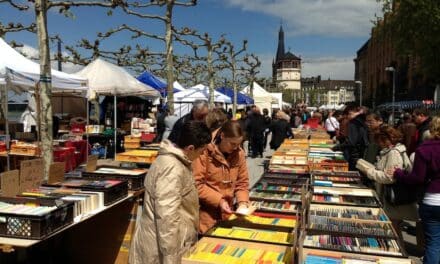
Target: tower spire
<point x="280" y="49"/>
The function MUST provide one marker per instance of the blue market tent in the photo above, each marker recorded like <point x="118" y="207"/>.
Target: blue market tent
<point x="149" y="79"/>
<point x="242" y="99"/>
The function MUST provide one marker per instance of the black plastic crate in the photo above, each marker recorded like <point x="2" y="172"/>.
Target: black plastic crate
<point x="134" y="178"/>
<point x="33" y="226"/>
<point x="113" y="191"/>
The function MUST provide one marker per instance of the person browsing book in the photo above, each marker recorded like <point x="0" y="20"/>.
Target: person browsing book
<point x="168" y="225"/>
<point x="392" y="155"/>
<point x="221" y="176"/>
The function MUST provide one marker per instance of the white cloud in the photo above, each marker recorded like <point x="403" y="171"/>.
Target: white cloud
<point x="336" y="68"/>
<point x="33" y="54"/>
<point x="317" y="17"/>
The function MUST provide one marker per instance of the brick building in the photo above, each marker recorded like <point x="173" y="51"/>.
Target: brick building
<point x="373" y="57"/>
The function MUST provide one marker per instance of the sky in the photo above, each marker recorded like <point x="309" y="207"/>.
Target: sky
<point x="325" y="33"/>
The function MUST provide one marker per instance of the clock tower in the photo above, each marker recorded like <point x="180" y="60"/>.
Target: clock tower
<point x="286" y="69"/>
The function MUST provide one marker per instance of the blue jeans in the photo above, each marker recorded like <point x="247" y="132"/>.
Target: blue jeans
<point x="431" y="227"/>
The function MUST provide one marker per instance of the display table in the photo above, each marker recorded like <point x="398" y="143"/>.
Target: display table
<point x="96" y="238"/>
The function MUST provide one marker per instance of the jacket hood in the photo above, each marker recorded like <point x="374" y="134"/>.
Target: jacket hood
<point x="217" y="155"/>
<point x="168" y="148"/>
<point x="399" y="147"/>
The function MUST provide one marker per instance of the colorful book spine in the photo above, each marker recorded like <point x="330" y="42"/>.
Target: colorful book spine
<point x="225" y="253"/>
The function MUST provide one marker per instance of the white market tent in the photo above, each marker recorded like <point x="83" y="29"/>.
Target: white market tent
<point x="178" y="86"/>
<point x="279" y="100"/>
<point x="262" y="98"/>
<point x="183" y="100"/>
<point x="106" y="78"/>
<point x="23" y="74"/>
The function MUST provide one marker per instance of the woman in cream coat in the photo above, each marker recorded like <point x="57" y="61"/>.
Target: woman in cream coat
<point x="392" y="156"/>
<point x="170" y="217"/>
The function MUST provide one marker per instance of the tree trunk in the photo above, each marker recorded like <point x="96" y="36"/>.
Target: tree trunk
<point x="234" y="85"/>
<point x="169" y="54"/>
<point x="45" y="90"/>
<point x="211" y="78"/>
<point x="251" y="88"/>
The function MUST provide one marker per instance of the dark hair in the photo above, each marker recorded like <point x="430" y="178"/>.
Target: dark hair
<point x="387" y="132"/>
<point x="215" y="119"/>
<point x="231" y="129"/>
<point x="194" y="133"/>
<point x="265" y="111"/>
<point x="421" y="111"/>
<point x="351" y="108"/>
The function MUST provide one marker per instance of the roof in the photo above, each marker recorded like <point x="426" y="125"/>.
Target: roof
<point x="290" y="56"/>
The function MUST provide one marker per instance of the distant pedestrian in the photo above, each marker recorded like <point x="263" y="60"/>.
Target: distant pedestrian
<point x="280" y="129"/>
<point x="331" y="124"/>
<point x="422" y="119"/>
<point x="198" y="113"/>
<point x="255" y="128"/>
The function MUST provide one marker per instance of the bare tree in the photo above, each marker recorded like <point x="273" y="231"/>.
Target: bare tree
<point x="44" y="87"/>
<point x="231" y="60"/>
<point x="212" y="48"/>
<point x="136" y="9"/>
<point x="251" y="69"/>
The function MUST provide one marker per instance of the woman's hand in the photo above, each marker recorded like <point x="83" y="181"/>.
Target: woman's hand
<point x="224" y="206"/>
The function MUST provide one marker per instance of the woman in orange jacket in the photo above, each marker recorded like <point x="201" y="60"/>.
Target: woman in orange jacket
<point x="221" y="175"/>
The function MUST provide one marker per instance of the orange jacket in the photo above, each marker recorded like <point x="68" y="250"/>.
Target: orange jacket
<point x="219" y="178"/>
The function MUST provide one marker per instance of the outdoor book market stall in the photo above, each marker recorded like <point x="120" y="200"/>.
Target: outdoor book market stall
<point x="309" y="209"/>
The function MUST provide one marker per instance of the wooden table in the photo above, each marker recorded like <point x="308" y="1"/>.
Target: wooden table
<point x="94" y="239"/>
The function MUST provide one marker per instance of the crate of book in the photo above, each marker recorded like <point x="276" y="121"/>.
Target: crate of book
<point x="276" y="207"/>
<point x="366" y="214"/>
<point x="27" y="149"/>
<point x="260" y="220"/>
<point x="33" y="218"/>
<point x="131" y="142"/>
<point x="272" y="235"/>
<point x="216" y="250"/>
<point x="320" y="256"/>
<point x="135" y="177"/>
<point x="294" y="164"/>
<point x="345" y="196"/>
<point x="113" y="190"/>
<point x="329" y="165"/>
<point x="291" y="152"/>
<point x="332" y="179"/>
<point x="292" y="182"/>
<point x="137" y="156"/>
<point x="84" y="201"/>
<point x="297" y="178"/>
<point x="369" y="245"/>
<point x="347" y="227"/>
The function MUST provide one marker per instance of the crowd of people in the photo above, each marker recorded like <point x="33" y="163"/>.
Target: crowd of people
<point x="200" y="175"/>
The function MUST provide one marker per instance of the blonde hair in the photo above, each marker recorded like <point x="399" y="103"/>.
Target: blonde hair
<point x="434" y="128"/>
<point x="282" y="115"/>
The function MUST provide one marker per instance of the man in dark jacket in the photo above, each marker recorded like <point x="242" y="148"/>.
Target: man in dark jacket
<point x="198" y="112"/>
<point x="422" y="119"/>
<point x="281" y="129"/>
<point x="357" y="139"/>
<point x="255" y="129"/>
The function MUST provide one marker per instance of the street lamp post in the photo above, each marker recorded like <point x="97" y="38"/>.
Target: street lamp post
<point x="392" y="69"/>
<point x="360" y="91"/>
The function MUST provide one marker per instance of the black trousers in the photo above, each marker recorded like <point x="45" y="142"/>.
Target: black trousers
<point x="257" y="145"/>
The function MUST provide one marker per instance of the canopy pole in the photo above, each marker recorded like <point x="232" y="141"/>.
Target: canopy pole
<point x="115" y="125"/>
<point x="87" y="125"/>
<point x="8" y="140"/>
